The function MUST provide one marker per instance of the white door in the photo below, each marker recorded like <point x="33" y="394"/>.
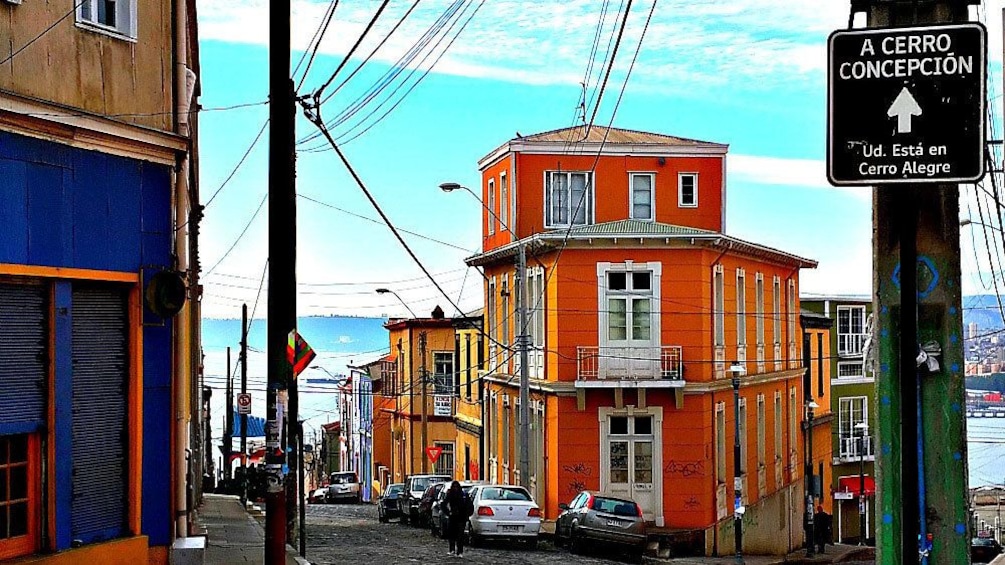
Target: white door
<point x="631" y="451"/>
<point x="629" y="343"/>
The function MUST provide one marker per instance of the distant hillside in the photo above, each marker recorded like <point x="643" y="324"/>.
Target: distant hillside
<point x="329" y="334"/>
<point x="982" y="309"/>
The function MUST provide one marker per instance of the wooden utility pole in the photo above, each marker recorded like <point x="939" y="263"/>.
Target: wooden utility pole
<point x="916" y="285"/>
<point x="423" y="376"/>
<point x="228" y="423"/>
<point x="282" y="300"/>
<point x="243" y="360"/>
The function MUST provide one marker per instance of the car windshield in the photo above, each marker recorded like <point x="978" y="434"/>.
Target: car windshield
<point x="422" y="483"/>
<point x="614" y="506"/>
<point x="983" y="541"/>
<point x="505" y="493"/>
<point x="394" y="490"/>
<point x="343" y="478"/>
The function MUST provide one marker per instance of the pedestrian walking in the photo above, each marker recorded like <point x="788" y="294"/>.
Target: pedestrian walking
<point x="821" y="528"/>
<point x="459" y="508"/>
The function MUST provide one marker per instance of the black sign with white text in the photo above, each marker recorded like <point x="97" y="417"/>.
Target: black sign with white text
<point x="906" y="105"/>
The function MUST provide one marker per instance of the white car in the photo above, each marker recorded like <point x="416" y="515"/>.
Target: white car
<point x="503" y="512"/>
<point x="343" y="486"/>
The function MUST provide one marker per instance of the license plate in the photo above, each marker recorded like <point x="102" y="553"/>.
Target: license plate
<point x="512" y="528"/>
<point x="615" y="523"/>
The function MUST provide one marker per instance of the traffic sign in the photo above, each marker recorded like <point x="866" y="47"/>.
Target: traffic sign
<point x="244" y="403"/>
<point x="433" y="453"/>
<point x="906" y="105"/>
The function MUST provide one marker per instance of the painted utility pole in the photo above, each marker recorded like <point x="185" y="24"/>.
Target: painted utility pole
<point x="913" y="134"/>
<point x="282" y="300"/>
<point x="523" y="343"/>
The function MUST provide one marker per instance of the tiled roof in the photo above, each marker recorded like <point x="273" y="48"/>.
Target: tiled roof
<point x="595" y="134"/>
<point x="634" y="227"/>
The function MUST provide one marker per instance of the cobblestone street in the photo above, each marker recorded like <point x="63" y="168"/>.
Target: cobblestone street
<point x="350" y="533"/>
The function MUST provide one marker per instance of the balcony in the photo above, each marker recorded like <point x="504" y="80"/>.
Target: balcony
<point x="851" y="345"/>
<point x="648" y="366"/>
<point x="850" y="451"/>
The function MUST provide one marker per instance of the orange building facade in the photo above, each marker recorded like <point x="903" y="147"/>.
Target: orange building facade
<point x="638" y="305"/>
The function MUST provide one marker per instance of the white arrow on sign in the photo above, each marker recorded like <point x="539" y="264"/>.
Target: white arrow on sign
<point x="904" y="108"/>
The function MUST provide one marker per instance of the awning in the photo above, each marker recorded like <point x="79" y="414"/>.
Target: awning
<point x="256" y="425"/>
<point x="850" y="485"/>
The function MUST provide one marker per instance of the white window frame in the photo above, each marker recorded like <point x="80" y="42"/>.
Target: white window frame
<point x="848" y="449"/>
<point x="742" y="415"/>
<point x="505" y="321"/>
<point x="680" y="190"/>
<point x="761" y="453"/>
<point x="652" y="196"/>
<point x="857" y="377"/>
<point x="776" y="303"/>
<point x="572" y="206"/>
<point x="448" y="450"/>
<point x="503" y="202"/>
<point x="741" y="307"/>
<point x="655" y="270"/>
<point x="125" y="18"/>
<point x="759" y="312"/>
<point x="720" y="442"/>
<point x="719" y="305"/>
<point x="843" y="348"/>
<point x="536" y="304"/>
<point x="779" y="448"/>
<point x="443" y="383"/>
<point x="492" y="205"/>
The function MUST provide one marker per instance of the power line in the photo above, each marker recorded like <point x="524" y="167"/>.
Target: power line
<point x="239" y="237"/>
<point x="239" y="163"/>
<point x="316" y="41"/>
<point x="362" y="36"/>
<point x="44" y="31"/>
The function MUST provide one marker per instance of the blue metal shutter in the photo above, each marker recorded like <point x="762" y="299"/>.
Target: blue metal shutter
<point x="100" y="379"/>
<point x="24" y="339"/>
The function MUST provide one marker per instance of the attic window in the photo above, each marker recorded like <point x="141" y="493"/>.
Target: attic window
<point x="687" y="190"/>
<point x="115" y="17"/>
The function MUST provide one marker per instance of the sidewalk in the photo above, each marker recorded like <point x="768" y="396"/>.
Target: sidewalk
<point x="234" y="537"/>
<point x="835" y="554"/>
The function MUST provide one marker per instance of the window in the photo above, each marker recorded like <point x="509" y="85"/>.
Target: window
<point x="719" y="316"/>
<point x="720" y="441"/>
<point x="687" y="190"/>
<point x="743" y="436"/>
<point x="760" y="431"/>
<point x="851" y="330"/>
<point x="851" y="370"/>
<point x="790" y="307"/>
<point x="642" y="196"/>
<point x="503" y="202"/>
<point x="568" y="199"/>
<point x="492" y="206"/>
<point x="759" y="309"/>
<point x="491" y="320"/>
<point x="17" y="499"/>
<point x="793" y="419"/>
<point x="853" y="410"/>
<point x="535" y="296"/>
<point x="445" y="462"/>
<point x="505" y="311"/>
<point x="116" y="16"/>
<point x="741" y="307"/>
<point x="778" y="426"/>
<point x="443" y="372"/>
<point x="629" y="305"/>
<point x="505" y="434"/>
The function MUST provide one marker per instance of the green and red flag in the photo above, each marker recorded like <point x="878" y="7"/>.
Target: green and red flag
<point x="298" y="353"/>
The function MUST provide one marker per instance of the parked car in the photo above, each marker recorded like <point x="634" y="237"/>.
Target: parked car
<point x="415" y="487"/>
<point x="438" y="521"/>
<point x="388" y="503"/>
<point x="343" y="485"/>
<point x="426" y="503"/>
<point x="602" y="518"/>
<point x="318" y="496"/>
<point x="503" y="512"/>
<point x="984" y="549"/>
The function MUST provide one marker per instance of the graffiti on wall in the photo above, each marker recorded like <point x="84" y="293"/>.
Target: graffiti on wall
<point x="581" y="472"/>
<point x="684" y="468"/>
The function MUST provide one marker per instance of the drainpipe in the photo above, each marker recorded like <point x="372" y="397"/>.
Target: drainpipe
<point x="181" y="322"/>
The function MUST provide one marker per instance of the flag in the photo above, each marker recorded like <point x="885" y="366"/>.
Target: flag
<point x="298" y="353"/>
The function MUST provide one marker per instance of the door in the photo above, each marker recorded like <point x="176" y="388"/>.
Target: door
<point x="629" y="344"/>
<point x="631" y="453"/>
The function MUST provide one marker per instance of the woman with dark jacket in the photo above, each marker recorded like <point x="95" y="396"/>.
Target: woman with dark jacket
<point x="457" y="506"/>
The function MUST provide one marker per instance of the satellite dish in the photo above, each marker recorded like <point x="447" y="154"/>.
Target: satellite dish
<point x="165" y="294"/>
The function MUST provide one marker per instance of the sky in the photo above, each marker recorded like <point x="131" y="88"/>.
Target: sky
<point x="748" y="73"/>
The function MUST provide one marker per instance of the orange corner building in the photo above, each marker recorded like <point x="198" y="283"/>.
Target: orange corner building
<point x="639" y="304"/>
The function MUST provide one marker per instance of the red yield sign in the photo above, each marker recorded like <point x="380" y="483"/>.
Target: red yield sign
<point x="433" y="453"/>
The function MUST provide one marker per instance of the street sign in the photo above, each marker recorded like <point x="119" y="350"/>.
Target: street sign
<point x="442" y="405"/>
<point x="244" y="403"/>
<point x="433" y="453"/>
<point x="906" y="105"/>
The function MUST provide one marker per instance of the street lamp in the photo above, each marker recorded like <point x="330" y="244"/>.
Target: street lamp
<point x="810" y="525"/>
<point x="738" y="371"/>
<point x="861" y="428"/>
<point x="522" y="339"/>
<point x="389" y="291"/>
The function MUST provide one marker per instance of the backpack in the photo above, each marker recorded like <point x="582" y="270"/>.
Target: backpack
<point x="469" y="505"/>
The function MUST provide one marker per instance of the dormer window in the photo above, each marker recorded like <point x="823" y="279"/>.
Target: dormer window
<point x="568" y="199"/>
<point x="687" y="190"/>
<point x="115" y="17"/>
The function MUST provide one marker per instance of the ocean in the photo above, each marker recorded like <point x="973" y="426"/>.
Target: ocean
<point x="986" y="451"/>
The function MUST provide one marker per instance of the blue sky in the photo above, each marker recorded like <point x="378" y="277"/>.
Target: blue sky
<point x="750" y="73"/>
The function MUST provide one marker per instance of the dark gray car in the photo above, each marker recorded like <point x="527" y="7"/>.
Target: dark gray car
<point x="603" y="519"/>
<point x="415" y="486"/>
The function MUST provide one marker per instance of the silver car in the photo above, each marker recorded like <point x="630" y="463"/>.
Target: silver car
<point x="503" y="512"/>
<point x="601" y="518"/>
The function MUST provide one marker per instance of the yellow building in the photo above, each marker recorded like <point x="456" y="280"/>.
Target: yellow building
<point x="427" y="392"/>
<point x="818" y="416"/>
<point x="468" y="416"/>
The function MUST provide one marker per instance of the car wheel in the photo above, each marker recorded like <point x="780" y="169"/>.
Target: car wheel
<point x="474" y="540"/>
<point x="575" y="544"/>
